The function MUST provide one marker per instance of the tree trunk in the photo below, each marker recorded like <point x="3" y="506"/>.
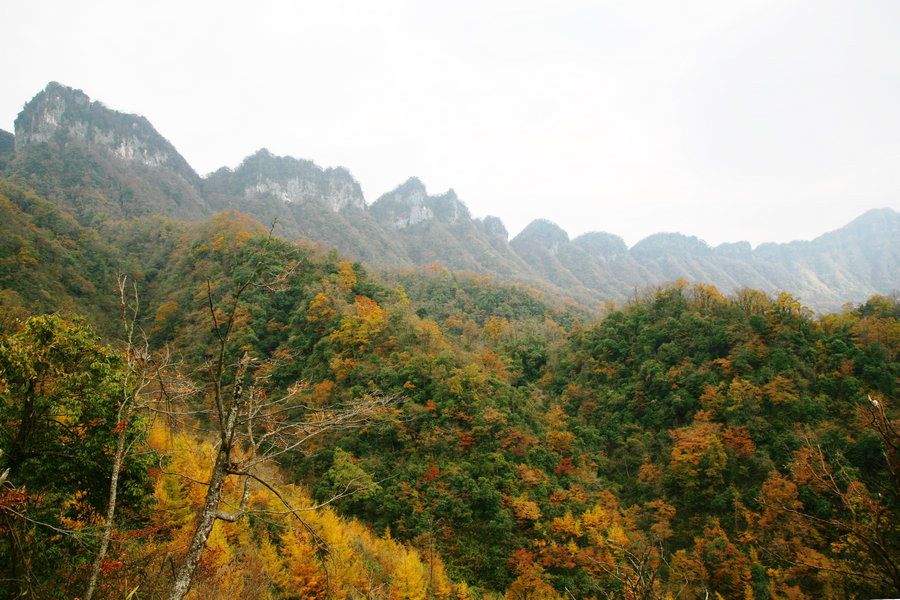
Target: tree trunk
<point x="217" y="478"/>
<point x="185" y="575"/>
<point x="110" y="514"/>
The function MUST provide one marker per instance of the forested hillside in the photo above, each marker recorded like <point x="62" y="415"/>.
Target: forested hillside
<point x="199" y="408"/>
<point x="685" y="443"/>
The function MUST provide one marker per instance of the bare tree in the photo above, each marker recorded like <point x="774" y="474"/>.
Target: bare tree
<point x="862" y="517"/>
<point x="143" y="387"/>
<point x="638" y="568"/>
<point x="252" y="429"/>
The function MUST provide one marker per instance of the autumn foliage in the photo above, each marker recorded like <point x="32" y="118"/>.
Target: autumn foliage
<point x="685" y="445"/>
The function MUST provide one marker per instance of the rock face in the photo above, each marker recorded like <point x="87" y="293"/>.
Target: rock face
<point x="98" y="164"/>
<point x="593" y="265"/>
<point x="309" y="202"/>
<point x="106" y="164"/>
<point x="265" y="176"/>
<point x="406" y="205"/>
<point x="54" y="108"/>
<point x="660" y="246"/>
<point x="440" y="229"/>
<point x="64" y="110"/>
<point x="409" y="204"/>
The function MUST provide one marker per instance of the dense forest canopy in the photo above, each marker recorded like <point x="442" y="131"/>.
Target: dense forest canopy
<point x="683" y="443"/>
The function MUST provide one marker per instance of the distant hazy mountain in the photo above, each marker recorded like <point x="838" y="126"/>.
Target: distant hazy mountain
<point x="97" y="163"/>
<point x="847" y="265"/>
<point x="439" y="229"/>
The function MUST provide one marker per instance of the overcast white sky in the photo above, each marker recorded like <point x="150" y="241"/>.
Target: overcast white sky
<point x="759" y="121"/>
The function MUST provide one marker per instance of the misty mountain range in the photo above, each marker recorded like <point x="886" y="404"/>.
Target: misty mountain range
<point x="97" y="163"/>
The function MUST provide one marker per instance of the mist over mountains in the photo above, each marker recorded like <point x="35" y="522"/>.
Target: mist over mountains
<point x="97" y="163"/>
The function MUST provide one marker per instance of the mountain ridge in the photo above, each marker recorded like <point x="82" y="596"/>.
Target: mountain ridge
<point x="99" y="163"/>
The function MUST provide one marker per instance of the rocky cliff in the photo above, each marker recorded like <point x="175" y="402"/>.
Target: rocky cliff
<point x="100" y="163"/>
<point x="309" y="202"/>
<point x="63" y="110"/>
<point x="440" y="229"/>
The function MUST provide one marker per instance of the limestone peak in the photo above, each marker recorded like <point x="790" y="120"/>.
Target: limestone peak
<point x="59" y="110"/>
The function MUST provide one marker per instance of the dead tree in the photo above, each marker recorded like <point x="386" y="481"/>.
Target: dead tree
<point x="143" y="389"/>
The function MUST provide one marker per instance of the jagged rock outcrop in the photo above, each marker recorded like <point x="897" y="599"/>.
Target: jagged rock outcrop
<point x="309" y="202"/>
<point x="542" y="233"/>
<point x="100" y="163"/>
<point x="661" y="246"/>
<point x="63" y="110"/>
<point x="409" y="204"/>
<point x="847" y="265"/>
<point x="735" y="249"/>
<point x="440" y="229"/>
<point x="539" y="245"/>
<point x="264" y="176"/>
